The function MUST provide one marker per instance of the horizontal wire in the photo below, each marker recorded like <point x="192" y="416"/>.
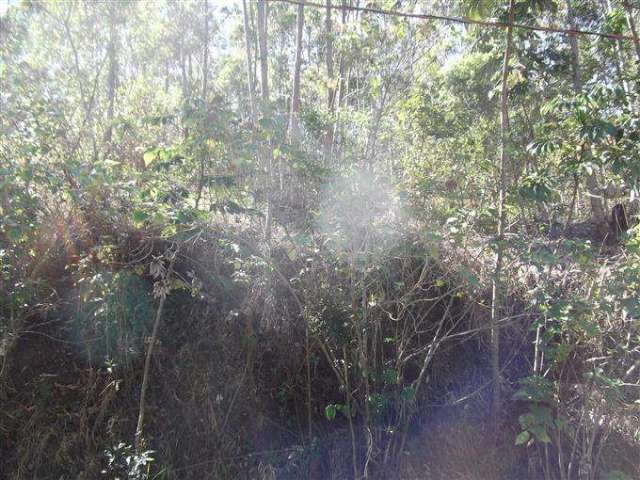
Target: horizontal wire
<point x="463" y="20"/>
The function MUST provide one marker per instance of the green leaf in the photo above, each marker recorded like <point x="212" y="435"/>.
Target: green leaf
<point x="476" y="9"/>
<point x="330" y="411"/>
<point x="522" y="438"/>
<point x="408" y="394"/>
<point x="112" y="163"/>
<point x="140" y="216"/>
<point x="474" y="15"/>
<point x="149" y="157"/>
<point x="540" y="432"/>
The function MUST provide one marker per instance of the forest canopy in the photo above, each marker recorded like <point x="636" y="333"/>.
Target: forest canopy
<point x="328" y="239"/>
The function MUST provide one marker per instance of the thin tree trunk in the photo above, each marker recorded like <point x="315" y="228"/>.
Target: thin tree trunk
<point x="205" y="73"/>
<point x="186" y="89"/>
<point x="250" y="82"/>
<point x="166" y="76"/>
<point x="189" y="67"/>
<point x="340" y="94"/>
<point x="370" y="147"/>
<point x="252" y="61"/>
<point x="341" y="63"/>
<point x="264" y="80"/>
<point x="254" y="41"/>
<point x="262" y="47"/>
<point x="575" y="54"/>
<point x="294" y="125"/>
<point x="10" y="340"/>
<point x="76" y="57"/>
<point x="632" y="26"/>
<point x="349" y="402"/>
<point x="112" y="77"/>
<point x="183" y="70"/>
<point x="205" y="53"/>
<point x="201" y="177"/>
<point x="598" y="215"/>
<point x="331" y="91"/>
<point x="574" y="197"/>
<point x="496" y="293"/>
<point x="328" y="30"/>
<point x="619" y="63"/>
<point x="139" y="438"/>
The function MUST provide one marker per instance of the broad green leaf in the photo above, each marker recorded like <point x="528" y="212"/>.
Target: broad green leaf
<point x="522" y="438"/>
<point x="330" y="411"/>
<point x="149" y="157"/>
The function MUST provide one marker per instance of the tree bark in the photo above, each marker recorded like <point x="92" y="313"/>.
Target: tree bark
<point x="328" y="30"/>
<point x="205" y="73"/>
<point x="183" y="71"/>
<point x="496" y="291"/>
<point x="619" y="64"/>
<point x="113" y="74"/>
<point x="598" y="215"/>
<point x="294" y="124"/>
<point x="575" y="54"/>
<point x="250" y="82"/>
<point x="205" y="53"/>
<point x="264" y="80"/>
<point x="339" y="95"/>
<point x="331" y="93"/>
<point x="262" y="47"/>
<point x="139" y="438"/>
<point x="633" y="28"/>
<point x="341" y="63"/>
<point x="166" y="76"/>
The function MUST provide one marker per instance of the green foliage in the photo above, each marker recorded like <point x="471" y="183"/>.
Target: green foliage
<point x="536" y="187"/>
<point x="149" y="128"/>
<point x="117" y="308"/>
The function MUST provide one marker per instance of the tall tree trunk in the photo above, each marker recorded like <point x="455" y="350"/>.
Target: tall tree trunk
<point x="254" y="40"/>
<point x="264" y="80"/>
<point x="619" y="63"/>
<point x="164" y="291"/>
<point x="575" y="54"/>
<point x="598" y="215"/>
<point x="597" y="206"/>
<point x="328" y="30"/>
<point x="112" y="77"/>
<point x="262" y="47"/>
<point x="331" y="90"/>
<point x="204" y="154"/>
<point x="183" y="70"/>
<point x="369" y="157"/>
<point x="205" y="52"/>
<point x="250" y="81"/>
<point x="247" y="14"/>
<point x="496" y="291"/>
<point x="294" y="124"/>
<point x="341" y="63"/>
<point x="340" y="94"/>
<point x="186" y="88"/>
<point x="632" y="26"/>
<point x="166" y="76"/>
